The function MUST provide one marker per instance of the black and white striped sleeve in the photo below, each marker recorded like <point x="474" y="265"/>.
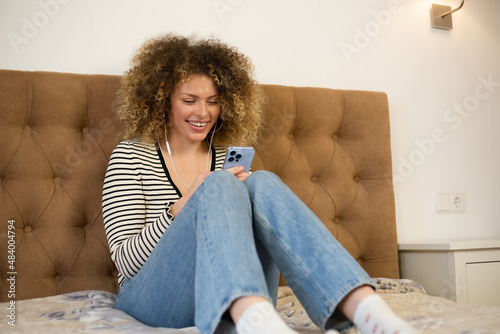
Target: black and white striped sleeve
<point x="131" y="236"/>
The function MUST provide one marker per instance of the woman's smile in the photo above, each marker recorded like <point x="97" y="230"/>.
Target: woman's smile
<point x="198" y="125"/>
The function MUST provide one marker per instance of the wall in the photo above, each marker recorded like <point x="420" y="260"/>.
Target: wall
<point x="443" y="86"/>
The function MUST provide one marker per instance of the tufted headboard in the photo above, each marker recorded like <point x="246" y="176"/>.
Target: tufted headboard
<point x="57" y="131"/>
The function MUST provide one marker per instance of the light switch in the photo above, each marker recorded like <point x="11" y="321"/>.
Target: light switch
<point x="442" y="202"/>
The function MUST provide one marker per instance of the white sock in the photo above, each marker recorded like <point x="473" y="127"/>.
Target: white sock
<point x="374" y="316"/>
<point x="262" y="318"/>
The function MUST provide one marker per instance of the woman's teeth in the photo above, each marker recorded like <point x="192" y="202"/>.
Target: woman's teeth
<point x="198" y="124"/>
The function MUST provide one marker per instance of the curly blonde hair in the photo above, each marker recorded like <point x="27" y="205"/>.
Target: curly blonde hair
<point x="164" y="62"/>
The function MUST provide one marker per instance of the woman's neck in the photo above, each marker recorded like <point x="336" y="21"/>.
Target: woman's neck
<point x="184" y="148"/>
<point x="185" y="161"/>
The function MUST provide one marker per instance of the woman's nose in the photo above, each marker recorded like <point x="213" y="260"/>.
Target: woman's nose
<point x="202" y="109"/>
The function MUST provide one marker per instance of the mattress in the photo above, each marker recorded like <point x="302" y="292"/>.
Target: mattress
<point x="93" y="312"/>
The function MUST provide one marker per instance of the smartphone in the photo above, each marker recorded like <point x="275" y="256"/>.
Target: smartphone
<point x="239" y="156"/>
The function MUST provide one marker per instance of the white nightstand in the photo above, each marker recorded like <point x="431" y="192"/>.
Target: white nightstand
<point x="467" y="271"/>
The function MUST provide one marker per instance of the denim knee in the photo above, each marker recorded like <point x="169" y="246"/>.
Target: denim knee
<point x="221" y="176"/>
<point x="222" y="179"/>
<point x="262" y="177"/>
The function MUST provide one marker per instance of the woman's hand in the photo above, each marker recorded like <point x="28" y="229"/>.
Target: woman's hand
<point x="239" y="173"/>
<point x="177" y="207"/>
<point x="197" y="182"/>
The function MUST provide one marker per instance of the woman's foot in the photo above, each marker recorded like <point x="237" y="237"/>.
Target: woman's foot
<point x="261" y="318"/>
<point x="374" y="316"/>
<point x="370" y="313"/>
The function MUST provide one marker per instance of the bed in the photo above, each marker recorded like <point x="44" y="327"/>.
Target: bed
<point x="332" y="148"/>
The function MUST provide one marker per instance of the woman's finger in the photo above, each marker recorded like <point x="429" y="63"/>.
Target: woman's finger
<point x="235" y="170"/>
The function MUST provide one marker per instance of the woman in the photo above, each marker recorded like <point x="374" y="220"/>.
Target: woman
<point x="195" y="245"/>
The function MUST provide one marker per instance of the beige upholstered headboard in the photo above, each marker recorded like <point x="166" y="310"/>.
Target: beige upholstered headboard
<point x="57" y="131"/>
<point x="332" y="148"/>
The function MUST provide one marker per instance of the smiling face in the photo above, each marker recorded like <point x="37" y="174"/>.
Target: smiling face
<point x="194" y="109"/>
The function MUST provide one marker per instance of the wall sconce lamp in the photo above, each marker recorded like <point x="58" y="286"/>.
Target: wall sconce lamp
<point x="441" y="16"/>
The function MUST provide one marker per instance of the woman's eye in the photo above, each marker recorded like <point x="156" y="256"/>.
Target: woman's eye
<point x="189" y="101"/>
<point x="214" y="102"/>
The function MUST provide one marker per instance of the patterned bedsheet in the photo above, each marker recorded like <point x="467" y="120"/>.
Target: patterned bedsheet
<point x="93" y="312"/>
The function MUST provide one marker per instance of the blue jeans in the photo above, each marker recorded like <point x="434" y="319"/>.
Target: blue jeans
<point x="232" y="239"/>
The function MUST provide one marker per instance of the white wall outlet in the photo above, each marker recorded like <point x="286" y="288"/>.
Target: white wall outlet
<point x="449" y="203"/>
<point x="458" y="203"/>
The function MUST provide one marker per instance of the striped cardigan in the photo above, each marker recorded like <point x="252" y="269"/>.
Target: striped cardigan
<point x="137" y="196"/>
